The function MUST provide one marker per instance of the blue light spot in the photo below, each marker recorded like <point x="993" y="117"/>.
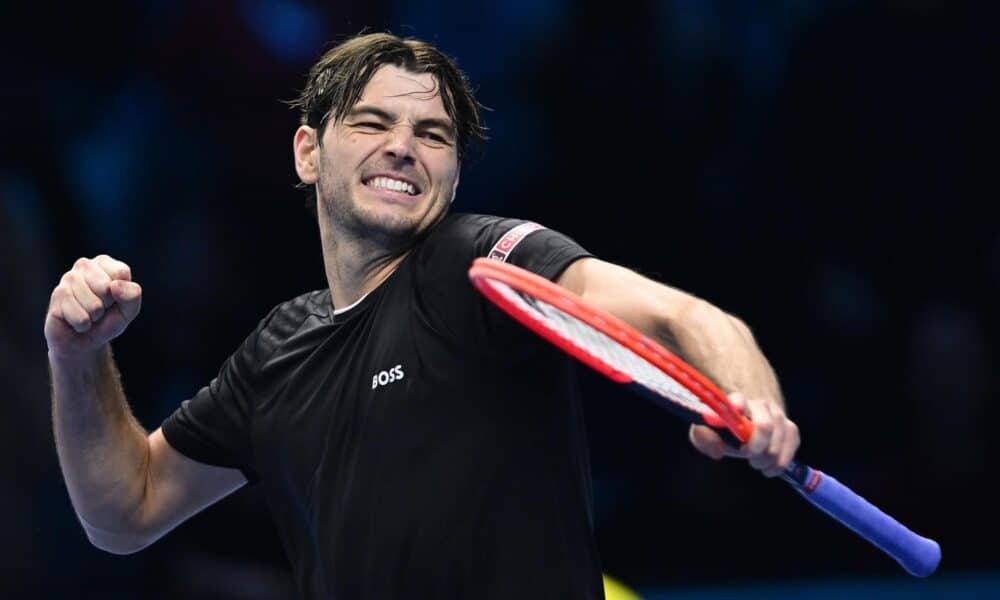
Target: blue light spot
<point x="289" y="29"/>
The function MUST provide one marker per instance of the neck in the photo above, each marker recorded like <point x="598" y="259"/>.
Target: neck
<point x="355" y="267"/>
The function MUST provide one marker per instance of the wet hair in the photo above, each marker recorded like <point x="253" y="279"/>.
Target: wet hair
<point x="337" y="80"/>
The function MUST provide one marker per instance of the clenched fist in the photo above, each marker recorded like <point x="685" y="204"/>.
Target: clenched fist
<point x="93" y="304"/>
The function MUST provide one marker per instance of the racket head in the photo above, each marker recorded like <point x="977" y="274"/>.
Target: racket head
<point x="554" y="313"/>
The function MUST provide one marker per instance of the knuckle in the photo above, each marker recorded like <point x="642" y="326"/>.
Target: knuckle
<point x="84" y="271"/>
<point x="792" y="433"/>
<point x="81" y="262"/>
<point x="98" y="285"/>
<point x="115" y="268"/>
<point x="93" y="268"/>
<point x="75" y="316"/>
<point x="70" y="305"/>
<point x="94" y="307"/>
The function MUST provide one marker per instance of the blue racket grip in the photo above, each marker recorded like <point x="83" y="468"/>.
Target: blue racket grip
<point x="918" y="555"/>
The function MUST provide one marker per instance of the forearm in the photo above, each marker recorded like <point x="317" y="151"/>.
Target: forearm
<point x="102" y="450"/>
<point x="724" y="348"/>
<point x="714" y="342"/>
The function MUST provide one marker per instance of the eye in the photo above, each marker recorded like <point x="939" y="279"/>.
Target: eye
<point x="371" y="125"/>
<point x="437" y="138"/>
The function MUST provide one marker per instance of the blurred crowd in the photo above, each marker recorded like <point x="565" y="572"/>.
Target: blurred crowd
<point x="821" y="169"/>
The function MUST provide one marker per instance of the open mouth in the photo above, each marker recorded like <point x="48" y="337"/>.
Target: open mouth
<point x="392" y="184"/>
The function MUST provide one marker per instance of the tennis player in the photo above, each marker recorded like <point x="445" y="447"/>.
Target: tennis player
<point x="410" y="440"/>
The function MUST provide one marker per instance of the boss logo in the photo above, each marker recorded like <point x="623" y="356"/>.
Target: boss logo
<point x="387" y="377"/>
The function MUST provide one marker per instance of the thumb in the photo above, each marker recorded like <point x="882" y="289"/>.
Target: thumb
<point x="707" y="441"/>
<point x="128" y="297"/>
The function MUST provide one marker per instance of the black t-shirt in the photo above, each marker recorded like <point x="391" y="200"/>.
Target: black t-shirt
<point x="420" y="444"/>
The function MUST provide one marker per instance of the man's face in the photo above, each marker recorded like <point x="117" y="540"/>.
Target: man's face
<point x="388" y="170"/>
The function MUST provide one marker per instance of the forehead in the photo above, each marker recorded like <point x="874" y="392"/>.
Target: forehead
<point x="403" y="91"/>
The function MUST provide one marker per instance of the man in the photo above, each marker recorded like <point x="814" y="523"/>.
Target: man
<point x="410" y="440"/>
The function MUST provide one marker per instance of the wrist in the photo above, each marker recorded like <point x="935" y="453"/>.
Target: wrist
<point x="77" y="360"/>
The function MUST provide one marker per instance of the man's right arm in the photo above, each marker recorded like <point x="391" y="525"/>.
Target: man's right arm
<point x="128" y="488"/>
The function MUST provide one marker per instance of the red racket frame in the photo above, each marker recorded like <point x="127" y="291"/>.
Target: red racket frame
<point x="920" y="556"/>
<point x="484" y="270"/>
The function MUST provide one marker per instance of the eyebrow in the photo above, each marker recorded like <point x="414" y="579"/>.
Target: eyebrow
<point x="366" y="109"/>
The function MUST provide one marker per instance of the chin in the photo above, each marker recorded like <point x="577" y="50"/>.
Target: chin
<point x="387" y="224"/>
<point x="386" y="227"/>
<point x="391" y="225"/>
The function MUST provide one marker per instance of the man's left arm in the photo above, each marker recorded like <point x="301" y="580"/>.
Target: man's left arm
<point x="718" y="344"/>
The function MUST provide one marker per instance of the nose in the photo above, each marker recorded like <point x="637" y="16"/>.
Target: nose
<point x="399" y="143"/>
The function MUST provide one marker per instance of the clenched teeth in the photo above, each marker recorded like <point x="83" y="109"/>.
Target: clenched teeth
<point x="387" y="183"/>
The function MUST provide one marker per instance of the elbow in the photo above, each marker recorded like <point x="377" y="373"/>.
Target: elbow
<point x="120" y="545"/>
<point x="116" y="542"/>
<point x="118" y="550"/>
<point x="123" y="528"/>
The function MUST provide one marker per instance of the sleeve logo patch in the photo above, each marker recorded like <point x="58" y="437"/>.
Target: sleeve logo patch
<point x="505" y="245"/>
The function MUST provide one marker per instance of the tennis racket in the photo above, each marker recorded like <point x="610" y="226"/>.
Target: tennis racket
<point x="623" y="354"/>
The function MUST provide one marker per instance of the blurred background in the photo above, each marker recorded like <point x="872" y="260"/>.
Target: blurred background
<point x="821" y="169"/>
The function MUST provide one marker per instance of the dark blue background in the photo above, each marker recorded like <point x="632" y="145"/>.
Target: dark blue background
<point x="823" y="170"/>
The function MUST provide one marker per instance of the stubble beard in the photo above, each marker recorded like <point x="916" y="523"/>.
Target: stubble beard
<point x="345" y="216"/>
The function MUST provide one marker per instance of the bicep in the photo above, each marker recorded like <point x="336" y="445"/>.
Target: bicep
<point x="178" y="487"/>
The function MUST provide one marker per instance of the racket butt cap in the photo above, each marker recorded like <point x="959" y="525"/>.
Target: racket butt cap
<point x="924" y="561"/>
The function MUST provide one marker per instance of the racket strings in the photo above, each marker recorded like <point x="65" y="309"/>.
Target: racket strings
<point x="603" y="347"/>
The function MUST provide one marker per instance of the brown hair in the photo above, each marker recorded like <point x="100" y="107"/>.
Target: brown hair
<point x="337" y="80"/>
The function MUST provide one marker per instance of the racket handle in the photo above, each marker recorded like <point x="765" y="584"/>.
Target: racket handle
<point x="918" y="555"/>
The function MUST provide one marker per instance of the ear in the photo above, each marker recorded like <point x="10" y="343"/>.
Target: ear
<point x="454" y="186"/>
<point x="305" y="147"/>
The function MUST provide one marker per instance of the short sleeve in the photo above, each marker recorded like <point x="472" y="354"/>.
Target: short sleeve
<point x="452" y="302"/>
<point x="533" y="247"/>
<point x="215" y="426"/>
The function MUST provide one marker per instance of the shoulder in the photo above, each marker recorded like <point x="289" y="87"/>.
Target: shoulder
<point x="459" y="238"/>
<point x="469" y="225"/>
<point x="476" y="232"/>
<point x="289" y="318"/>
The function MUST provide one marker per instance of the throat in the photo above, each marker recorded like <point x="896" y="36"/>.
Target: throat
<point x="352" y="273"/>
